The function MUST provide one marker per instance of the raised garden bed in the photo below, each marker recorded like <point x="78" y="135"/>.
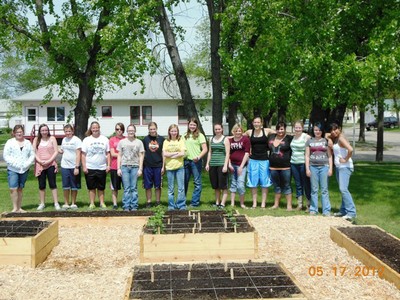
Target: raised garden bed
<point x="377" y="249"/>
<point x="199" y="236"/>
<point x="27" y="243"/>
<point x="252" y="280"/>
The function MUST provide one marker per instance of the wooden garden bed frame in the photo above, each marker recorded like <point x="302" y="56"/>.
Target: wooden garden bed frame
<point x="29" y="251"/>
<point x="367" y="258"/>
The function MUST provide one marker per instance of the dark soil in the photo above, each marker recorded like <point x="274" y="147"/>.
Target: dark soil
<point x="379" y="243"/>
<point x="22" y="228"/>
<point x="212" y="281"/>
<point x="202" y="222"/>
<point x="80" y="214"/>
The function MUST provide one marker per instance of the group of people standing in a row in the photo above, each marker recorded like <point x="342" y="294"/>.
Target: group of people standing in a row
<point x="268" y="157"/>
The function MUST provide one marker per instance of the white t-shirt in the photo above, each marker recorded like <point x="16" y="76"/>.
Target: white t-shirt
<point x="130" y="151"/>
<point x="96" y="150"/>
<point x="69" y="146"/>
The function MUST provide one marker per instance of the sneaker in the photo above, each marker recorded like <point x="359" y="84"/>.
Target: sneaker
<point x="115" y="207"/>
<point x="92" y="206"/>
<point x="41" y="206"/>
<point x="65" y="206"/>
<point x="57" y="206"/>
<point x="347" y="217"/>
<point x="327" y="215"/>
<point x="313" y="213"/>
<point x="73" y="206"/>
<point x="148" y="205"/>
<point x="338" y="214"/>
<point x="103" y="206"/>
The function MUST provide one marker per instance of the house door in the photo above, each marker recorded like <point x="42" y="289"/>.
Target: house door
<point x="32" y="119"/>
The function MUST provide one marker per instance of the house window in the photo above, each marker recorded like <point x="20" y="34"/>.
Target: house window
<point x="182" y="119"/>
<point x="147" y="115"/>
<point x="32" y="114"/>
<point x="56" y="114"/>
<point x="135" y="115"/>
<point x="106" y="111"/>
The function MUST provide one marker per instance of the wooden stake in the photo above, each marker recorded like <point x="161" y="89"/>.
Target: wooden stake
<point x="232" y="276"/>
<point x="189" y="276"/>
<point x="226" y="267"/>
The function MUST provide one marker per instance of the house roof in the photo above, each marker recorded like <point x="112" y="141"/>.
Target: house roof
<point x="157" y="87"/>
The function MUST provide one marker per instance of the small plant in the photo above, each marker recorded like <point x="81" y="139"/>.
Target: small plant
<point x="155" y="222"/>
<point x="231" y="217"/>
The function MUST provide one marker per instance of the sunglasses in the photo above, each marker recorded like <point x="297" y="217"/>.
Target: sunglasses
<point x="119" y="129"/>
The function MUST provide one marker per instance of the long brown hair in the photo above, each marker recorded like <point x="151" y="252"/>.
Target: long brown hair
<point x="195" y="133"/>
<point x="89" y="131"/>
<point x="178" y="137"/>
<point x="39" y="137"/>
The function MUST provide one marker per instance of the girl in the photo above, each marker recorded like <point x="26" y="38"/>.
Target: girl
<point x="70" y="166"/>
<point x="217" y="165"/>
<point x="196" y="146"/>
<point x="130" y="167"/>
<point x="19" y="155"/>
<point x="95" y="163"/>
<point x="46" y="150"/>
<point x="115" y="179"/>
<point x="174" y="150"/>
<point x="319" y="168"/>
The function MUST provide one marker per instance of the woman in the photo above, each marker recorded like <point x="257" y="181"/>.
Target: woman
<point x="95" y="163"/>
<point x="319" y="168"/>
<point x="174" y="150"/>
<point x="130" y="167"/>
<point x="115" y="179"/>
<point x="297" y="162"/>
<point x="279" y="164"/>
<point x="196" y="145"/>
<point x="342" y="152"/>
<point x="46" y="150"/>
<point x="258" y="169"/>
<point x="19" y="156"/>
<point x="70" y="166"/>
<point x="217" y="165"/>
<point x="153" y="168"/>
<point x="238" y="155"/>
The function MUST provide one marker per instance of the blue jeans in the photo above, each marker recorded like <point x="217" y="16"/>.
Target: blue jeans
<point x="319" y="180"/>
<point x="179" y="175"/>
<point x="281" y="180"/>
<point x="237" y="181"/>
<point x="194" y="168"/>
<point x="16" y="180"/>
<point x="343" y="179"/>
<point x="129" y="180"/>
<point x="301" y="180"/>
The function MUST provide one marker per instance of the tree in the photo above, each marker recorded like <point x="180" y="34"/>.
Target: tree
<point x="89" y="44"/>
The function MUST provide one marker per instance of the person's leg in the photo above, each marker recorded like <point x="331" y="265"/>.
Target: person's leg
<point x="254" y="192"/>
<point x="275" y="177"/>
<point x="92" y="197"/>
<point x="295" y="170"/>
<point x="171" y="189"/>
<point x="265" y="180"/>
<point x="19" y="201"/>
<point x="348" y="207"/>
<point x="148" y="184"/>
<point x="241" y="186"/>
<point x="14" y="199"/>
<point x="188" y="174"/>
<point x="286" y="188"/>
<point x="51" y="176"/>
<point x="326" y="205"/>
<point x="134" y="177"/>
<point x="180" y="180"/>
<point x="157" y="180"/>
<point x="196" y="171"/>
<point x="100" y="194"/>
<point x="314" y="189"/>
<point x="42" y="188"/>
<point x="127" y="188"/>
<point x="234" y="183"/>
<point x="74" y="194"/>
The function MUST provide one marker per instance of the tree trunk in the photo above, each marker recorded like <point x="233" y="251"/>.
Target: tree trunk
<point x="215" y="7"/>
<point x="180" y="74"/>
<point x="318" y="115"/>
<point x="379" y="140"/>
<point x="361" y="135"/>
<point x="82" y="109"/>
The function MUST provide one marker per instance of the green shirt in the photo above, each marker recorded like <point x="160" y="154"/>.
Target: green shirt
<point x="193" y="146"/>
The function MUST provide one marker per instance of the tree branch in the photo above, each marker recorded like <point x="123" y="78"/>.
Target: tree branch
<point x="74" y="10"/>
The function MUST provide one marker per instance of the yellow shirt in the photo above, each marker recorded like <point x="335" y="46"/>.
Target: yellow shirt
<point x="174" y="146"/>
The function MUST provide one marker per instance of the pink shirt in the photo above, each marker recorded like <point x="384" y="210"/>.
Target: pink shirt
<point x="114" y="141"/>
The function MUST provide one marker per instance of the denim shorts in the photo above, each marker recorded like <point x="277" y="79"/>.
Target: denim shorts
<point x="16" y="180"/>
<point x="69" y="180"/>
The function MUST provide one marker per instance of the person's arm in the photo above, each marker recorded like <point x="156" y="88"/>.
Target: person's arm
<point x="77" y="161"/>
<point x="307" y="159"/>
<point x="208" y="158"/>
<point x="268" y="131"/>
<point x="119" y="161"/>
<point x="329" y="152"/>
<point x="34" y="145"/>
<point x="83" y="159"/>
<point x="227" y="155"/>
<point x="55" y="147"/>
<point x="141" y="158"/>
<point x="244" y="161"/>
<point x="108" y="156"/>
<point x="203" y="152"/>
<point x="344" y="143"/>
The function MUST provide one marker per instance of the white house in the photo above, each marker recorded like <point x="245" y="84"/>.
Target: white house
<point x="160" y="102"/>
<point x="4" y="109"/>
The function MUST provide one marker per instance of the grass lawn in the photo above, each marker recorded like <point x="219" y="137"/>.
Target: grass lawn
<point x="374" y="187"/>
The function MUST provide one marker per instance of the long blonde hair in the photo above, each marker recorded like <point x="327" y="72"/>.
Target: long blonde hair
<point x="178" y="137"/>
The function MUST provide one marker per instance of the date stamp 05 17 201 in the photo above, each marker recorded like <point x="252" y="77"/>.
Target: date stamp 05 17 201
<point x="356" y="271"/>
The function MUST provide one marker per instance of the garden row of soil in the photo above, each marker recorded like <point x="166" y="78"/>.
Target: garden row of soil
<point x="21" y="228"/>
<point x="202" y="222"/>
<point x="251" y="280"/>
<point x="379" y="243"/>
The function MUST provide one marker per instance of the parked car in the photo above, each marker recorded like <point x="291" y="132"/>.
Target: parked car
<point x="388" y="122"/>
